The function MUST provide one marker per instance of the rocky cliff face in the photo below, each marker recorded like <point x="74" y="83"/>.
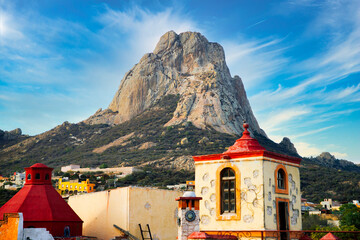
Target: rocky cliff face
<point x="11" y="135"/>
<point x="194" y="68"/>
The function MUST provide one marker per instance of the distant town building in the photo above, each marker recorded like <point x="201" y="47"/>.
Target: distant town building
<point x="41" y="205"/>
<point x="356" y="202"/>
<point x="71" y="167"/>
<point x="75" y="187"/>
<point x="189" y="185"/>
<point x="123" y="171"/>
<point x="327" y="203"/>
<point x="19" y="178"/>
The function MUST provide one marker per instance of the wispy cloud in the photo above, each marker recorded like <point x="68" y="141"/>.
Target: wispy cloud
<point x="312" y="132"/>
<point x="255" y="60"/>
<point x="278" y="118"/>
<point x="53" y="63"/>
<point x="144" y="28"/>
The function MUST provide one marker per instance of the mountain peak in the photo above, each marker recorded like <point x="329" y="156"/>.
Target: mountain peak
<point x="190" y="66"/>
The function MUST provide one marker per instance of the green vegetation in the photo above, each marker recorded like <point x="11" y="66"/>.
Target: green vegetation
<point x="319" y="182"/>
<point x="311" y="222"/>
<point x="159" y="177"/>
<point x="6" y="195"/>
<point x="74" y="144"/>
<point x="350" y="215"/>
<point x="342" y="236"/>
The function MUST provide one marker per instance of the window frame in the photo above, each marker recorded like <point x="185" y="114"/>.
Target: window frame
<point x="228" y="216"/>
<point x="226" y="181"/>
<point x="284" y="190"/>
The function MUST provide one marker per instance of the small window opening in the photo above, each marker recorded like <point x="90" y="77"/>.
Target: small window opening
<point x="281" y="179"/>
<point x="228" y="189"/>
<point x="37" y="176"/>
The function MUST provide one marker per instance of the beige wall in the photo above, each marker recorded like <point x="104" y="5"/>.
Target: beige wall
<point x="155" y="207"/>
<point x="257" y="194"/>
<point x="251" y="195"/>
<point x="294" y="195"/>
<point x="127" y="207"/>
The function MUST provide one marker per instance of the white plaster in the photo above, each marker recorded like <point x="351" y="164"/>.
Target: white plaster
<point x="37" y="233"/>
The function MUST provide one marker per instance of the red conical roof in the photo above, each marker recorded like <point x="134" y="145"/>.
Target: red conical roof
<point x="38" y="200"/>
<point x="330" y="236"/>
<point x="246" y="143"/>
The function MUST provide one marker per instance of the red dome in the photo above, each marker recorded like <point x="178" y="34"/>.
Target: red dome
<point x="39" y="165"/>
<point x="41" y="205"/>
<point x="246" y="143"/>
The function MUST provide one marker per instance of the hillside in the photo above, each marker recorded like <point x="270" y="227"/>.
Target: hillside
<point x="143" y="140"/>
<point x="319" y="181"/>
<point x="178" y="101"/>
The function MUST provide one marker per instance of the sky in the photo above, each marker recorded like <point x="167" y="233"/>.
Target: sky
<point x="299" y="60"/>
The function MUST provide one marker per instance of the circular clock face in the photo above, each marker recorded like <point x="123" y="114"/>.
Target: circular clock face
<point x="190" y="215"/>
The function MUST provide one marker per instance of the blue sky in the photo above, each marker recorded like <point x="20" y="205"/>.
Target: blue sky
<point x="299" y="61"/>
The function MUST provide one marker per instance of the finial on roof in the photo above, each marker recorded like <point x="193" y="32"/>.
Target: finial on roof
<point x="245" y="144"/>
<point x="246" y="126"/>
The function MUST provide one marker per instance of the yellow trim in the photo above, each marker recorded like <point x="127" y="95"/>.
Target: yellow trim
<point x="237" y="215"/>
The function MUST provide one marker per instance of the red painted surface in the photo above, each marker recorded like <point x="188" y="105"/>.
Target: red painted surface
<point x="42" y="205"/>
<point x="305" y="237"/>
<point x="330" y="236"/>
<point x="246" y="143"/>
<point x="246" y="147"/>
<point x="188" y="198"/>
<point x="203" y="235"/>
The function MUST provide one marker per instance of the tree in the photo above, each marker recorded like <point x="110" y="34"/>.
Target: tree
<point x="104" y="165"/>
<point x="350" y="215"/>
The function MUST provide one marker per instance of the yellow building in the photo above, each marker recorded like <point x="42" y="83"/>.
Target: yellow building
<point x="75" y="187"/>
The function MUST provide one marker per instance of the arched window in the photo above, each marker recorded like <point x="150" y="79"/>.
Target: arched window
<point x="281" y="185"/>
<point x="281" y="179"/>
<point x="29" y="176"/>
<point x="37" y="176"/>
<point x="47" y="176"/>
<point x="228" y="190"/>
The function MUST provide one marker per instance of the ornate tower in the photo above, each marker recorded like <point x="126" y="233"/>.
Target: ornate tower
<point x="188" y="215"/>
<point x="248" y="188"/>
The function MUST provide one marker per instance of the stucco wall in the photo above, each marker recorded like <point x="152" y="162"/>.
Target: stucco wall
<point x="100" y="210"/>
<point x="294" y="195"/>
<point x="37" y="233"/>
<point x="9" y="228"/>
<point x="127" y="207"/>
<point x="251" y="194"/>
<point x="156" y="207"/>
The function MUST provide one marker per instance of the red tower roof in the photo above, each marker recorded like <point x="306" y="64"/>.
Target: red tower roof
<point x="330" y="236"/>
<point x="39" y="165"/>
<point x="246" y="143"/>
<point x="40" y="202"/>
<point x="246" y="146"/>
